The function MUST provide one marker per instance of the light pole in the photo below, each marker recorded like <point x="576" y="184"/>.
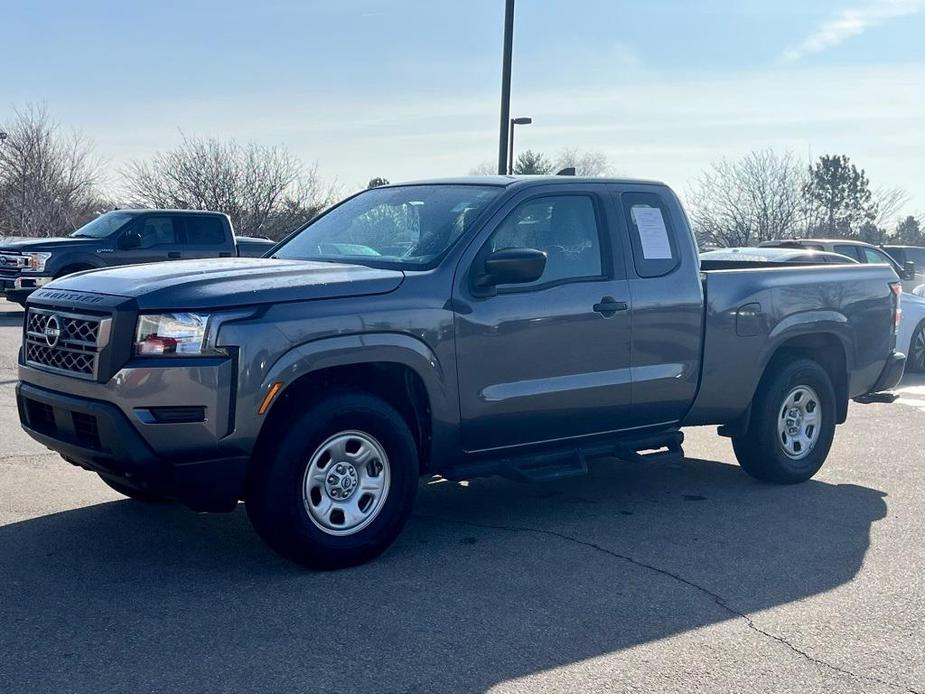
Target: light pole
<point x="506" y="86"/>
<point x="510" y="151"/>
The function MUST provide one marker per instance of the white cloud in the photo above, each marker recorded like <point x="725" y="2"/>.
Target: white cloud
<point x="852" y="22"/>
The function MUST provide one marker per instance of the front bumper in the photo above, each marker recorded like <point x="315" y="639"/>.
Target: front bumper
<point x="17" y="288"/>
<point x="109" y="428"/>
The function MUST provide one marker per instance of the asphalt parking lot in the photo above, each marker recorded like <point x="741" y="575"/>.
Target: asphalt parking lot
<point x="670" y="578"/>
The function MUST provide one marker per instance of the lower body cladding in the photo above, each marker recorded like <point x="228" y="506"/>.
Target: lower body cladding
<point x="165" y="432"/>
<point x="17" y="288"/>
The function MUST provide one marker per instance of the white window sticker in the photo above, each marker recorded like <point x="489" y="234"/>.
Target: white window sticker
<point x="652" y="233"/>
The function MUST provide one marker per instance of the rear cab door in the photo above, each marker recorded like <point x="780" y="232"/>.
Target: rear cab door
<point x="667" y="298"/>
<point x="206" y="236"/>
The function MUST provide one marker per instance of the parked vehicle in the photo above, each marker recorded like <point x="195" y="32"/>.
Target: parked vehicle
<point x="857" y="250"/>
<point x="909" y="254"/>
<point x="730" y="258"/>
<point x="911" y="338"/>
<point x="120" y="237"/>
<point x="475" y="326"/>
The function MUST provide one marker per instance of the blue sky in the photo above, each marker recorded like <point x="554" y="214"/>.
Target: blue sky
<point x="409" y="88"/>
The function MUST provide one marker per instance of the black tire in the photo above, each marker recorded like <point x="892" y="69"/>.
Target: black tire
<point x="916" y="356"/>
<point x="274" y="498"/>
<point x="761" y="450"/>
<point x="132" y="492"/>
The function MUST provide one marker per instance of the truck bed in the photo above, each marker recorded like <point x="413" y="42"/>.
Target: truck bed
<point x="750" y="312"/>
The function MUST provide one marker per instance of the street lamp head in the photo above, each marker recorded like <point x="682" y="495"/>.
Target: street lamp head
<point x="521" y="121"/>
<point x="3" y="135"/>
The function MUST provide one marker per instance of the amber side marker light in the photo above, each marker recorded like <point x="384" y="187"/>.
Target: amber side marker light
<point x="273" y="391"/>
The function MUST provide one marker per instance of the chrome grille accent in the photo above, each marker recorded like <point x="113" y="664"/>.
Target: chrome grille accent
<point x="66" y="343"/>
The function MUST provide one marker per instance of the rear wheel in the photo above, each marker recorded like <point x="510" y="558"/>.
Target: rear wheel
<point x="131" y="491"/>
<point x="336" y="489"/>
<point x="792" y="424"/>
<point x="916" y="357"/>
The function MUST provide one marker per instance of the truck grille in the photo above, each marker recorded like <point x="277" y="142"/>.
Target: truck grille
<point x="65" y="342"/>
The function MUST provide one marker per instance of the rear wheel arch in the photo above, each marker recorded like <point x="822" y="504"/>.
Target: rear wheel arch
<point x="826" y="349"/>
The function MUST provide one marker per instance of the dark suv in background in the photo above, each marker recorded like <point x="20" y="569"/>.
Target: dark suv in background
<point x="907" y="254"/>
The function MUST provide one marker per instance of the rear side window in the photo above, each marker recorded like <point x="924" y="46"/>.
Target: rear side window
<point x="204" y="231"/>
<point x="652" y="234"/>
<point x="850" y="251"/>
<point x="872" y="255"/>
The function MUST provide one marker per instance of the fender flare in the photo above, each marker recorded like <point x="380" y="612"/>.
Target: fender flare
<point x="81" y="259"/>
<point x="806" y="323"/>
<point x="384" y="347"/>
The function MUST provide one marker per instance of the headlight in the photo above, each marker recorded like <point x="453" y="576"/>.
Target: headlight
<point x="174" y="334"/>
<point x="34" y="262"/>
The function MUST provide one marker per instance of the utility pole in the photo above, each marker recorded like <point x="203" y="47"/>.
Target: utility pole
<point x="506" y="86"/>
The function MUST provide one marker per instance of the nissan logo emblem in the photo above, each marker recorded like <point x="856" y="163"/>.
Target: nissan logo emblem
<point x="52" y="331"/>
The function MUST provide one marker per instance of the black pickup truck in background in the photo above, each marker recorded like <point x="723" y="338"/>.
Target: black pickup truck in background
<point x="121" y="237"/>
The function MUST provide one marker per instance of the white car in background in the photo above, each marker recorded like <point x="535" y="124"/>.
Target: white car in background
<point x="911" y="338"/>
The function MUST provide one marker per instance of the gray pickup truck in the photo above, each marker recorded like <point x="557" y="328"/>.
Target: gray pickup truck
<point x="120" y="237"/>
<point x="476" y="326"/>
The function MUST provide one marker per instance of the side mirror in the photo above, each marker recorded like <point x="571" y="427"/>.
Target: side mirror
<point x="130" y="240"/>
<point x="909" y="270"/>
<point x="511" y="266"/>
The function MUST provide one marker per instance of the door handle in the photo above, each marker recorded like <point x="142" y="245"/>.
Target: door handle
<point x="173" y="254"/>
<point x="608" y="306"/>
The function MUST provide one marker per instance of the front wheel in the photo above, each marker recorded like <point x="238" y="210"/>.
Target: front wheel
<point x="792" y="424"/>
<point x="336" y="489"/>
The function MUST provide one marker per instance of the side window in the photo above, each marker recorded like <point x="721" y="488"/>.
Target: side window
<point x="564" y="227"/>
<point x="652" y="234"/>
<point x="871" y="255"/>
<point x="157" y="231"/>
<point x="850" y="251"/>
<point x="204" y="230"/>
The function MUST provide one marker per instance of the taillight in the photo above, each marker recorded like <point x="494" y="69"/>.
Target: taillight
<point x="897" y="288"/>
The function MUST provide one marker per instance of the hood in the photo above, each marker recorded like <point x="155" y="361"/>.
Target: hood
<point x="21" y="245"/>
<point x="228" y="282"/>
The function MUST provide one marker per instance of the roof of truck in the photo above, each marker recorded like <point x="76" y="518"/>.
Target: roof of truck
<point x="511" y="180"/>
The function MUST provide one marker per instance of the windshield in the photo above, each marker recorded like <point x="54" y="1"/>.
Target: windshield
<point x="405" y="226"/>
<point x="104" y="225"/>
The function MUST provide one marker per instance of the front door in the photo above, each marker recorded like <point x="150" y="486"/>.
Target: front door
<point x="159" y="240"/>
<point x="548" y="360"/>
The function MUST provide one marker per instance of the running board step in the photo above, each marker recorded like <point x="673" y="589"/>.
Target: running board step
<point x="547" y="467"/>
<point x="660" y="448"/>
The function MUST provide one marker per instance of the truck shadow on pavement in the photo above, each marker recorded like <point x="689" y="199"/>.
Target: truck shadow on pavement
<point x="490" y="581"/>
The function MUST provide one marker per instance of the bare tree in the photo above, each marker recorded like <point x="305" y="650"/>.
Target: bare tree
<point x="591" y="163"/>
<point x="754" y="199"/>
<point x="889" y="203"/>
<point x="486" y="168"/>
<point x="266" y="191"/>
<point x="49" y="181"/>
